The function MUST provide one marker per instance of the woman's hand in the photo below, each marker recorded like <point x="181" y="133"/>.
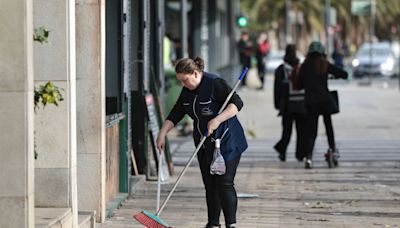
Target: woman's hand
<point x="160" y="142"/>
<point x="212" y="125"/>
<point x="230" y="111"/>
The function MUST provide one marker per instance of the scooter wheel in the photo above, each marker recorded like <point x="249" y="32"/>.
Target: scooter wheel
<point x="329" y="159"/>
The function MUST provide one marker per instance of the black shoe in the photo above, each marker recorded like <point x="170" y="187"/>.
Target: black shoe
<point x="282" y="157"/>
<point x="329" y="158"/>
<point x="336" y="157"/>
<point x="209" y="225"/>
<point x="332" y="157"/>
<point x="308" y="164"/>
<point x="281" y="153"/>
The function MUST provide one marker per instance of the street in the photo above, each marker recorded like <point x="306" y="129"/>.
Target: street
<point x="364" y="191"/>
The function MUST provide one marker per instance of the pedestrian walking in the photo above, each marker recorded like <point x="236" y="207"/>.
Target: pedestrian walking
<point x="313" y="77"/>
<point x="289" y="100"/>
<point x="263" y="48"/>
<point x="202" y="95"/>
<point x="245" y="47"/>
<point x="338" y="54"/>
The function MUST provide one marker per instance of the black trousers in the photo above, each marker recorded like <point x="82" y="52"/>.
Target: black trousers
<point x="220" y="190"/>
<point x="261" y="71"/>
<point x="287" y="122"/>
<point x="329" y="130"/>
<point x="313" y="112"/>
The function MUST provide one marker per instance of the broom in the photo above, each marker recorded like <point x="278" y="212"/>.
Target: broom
<point x="151" y="220"/>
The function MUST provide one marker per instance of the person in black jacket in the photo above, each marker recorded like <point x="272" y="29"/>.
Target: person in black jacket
<point x="313" y="77"/>
<point x="245" y="48"/>
<point x="202" y="95"/>
<point x="289" y="100"/>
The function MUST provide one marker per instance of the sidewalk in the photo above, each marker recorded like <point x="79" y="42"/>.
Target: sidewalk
<point x="364" y="191"/>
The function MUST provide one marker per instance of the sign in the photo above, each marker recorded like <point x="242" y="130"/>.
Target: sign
<point x="154" y="129"/>
<point x="151" y="111"/>
<point x="360" y="7"/>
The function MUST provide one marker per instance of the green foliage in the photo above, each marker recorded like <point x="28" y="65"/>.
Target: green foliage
<point x="47" y="94"/>
<point x="267" y="14"/>
<point x="41" y="35"/>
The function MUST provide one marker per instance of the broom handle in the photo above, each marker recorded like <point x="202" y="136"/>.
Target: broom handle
<point x="203" y="139"/>
<point x="160" y="157"/>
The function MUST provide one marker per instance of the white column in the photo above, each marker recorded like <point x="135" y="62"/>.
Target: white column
<point x="55" y="127"/>
<point x="90" y="34"/>
<point x="16" y="115"/>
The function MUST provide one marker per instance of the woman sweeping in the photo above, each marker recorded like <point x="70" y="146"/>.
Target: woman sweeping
<point x="201" y="97"/>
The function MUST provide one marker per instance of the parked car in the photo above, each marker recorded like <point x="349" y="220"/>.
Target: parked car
<point x="275" y="58"/>
<point x="376" y="59"/>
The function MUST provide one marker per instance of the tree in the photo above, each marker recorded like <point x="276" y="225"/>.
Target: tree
<point x="267" y="14"/>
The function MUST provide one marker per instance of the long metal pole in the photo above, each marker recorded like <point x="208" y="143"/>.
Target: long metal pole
<point x="371" y="37"/>
<point x="327" y="22"/>
<point x="288" y="36"/>
<point x="184" y="29"/>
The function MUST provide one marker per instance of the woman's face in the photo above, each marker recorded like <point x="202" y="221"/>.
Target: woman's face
<point x="190" y="81"/>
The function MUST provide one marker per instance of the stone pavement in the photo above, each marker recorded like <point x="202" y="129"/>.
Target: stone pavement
<point x="364" y="191"/>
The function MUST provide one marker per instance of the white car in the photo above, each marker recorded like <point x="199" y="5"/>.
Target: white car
<point x="275" y="58"/>
<point x="375" y="59"/>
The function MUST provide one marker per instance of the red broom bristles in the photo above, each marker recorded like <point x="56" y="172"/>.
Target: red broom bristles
<point x="148" y="221"/>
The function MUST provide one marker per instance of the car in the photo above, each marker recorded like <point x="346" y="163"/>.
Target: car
<point x="275" y="58"/>
<point x="376" y="59"/>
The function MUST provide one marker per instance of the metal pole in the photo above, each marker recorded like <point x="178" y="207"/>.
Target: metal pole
<point x="288" y="36"/>
<point x="327" y="18"/>
<point x="184" y="29"/>
<point x="371" y="37"/>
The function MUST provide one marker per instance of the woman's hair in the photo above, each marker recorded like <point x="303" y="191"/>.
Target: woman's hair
<point x="318" y="62"/>
<point x="188" y="65"/>
<point x="316" y="58"/>
<point x="291" y="55"/>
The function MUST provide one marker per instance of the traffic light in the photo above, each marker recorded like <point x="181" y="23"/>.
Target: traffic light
<point x="241" y="21"/>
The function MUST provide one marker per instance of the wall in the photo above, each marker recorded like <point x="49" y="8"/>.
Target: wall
<point x="90" y="54"/>
<point x="55" y="127"/>
<point x="16" y="114"/>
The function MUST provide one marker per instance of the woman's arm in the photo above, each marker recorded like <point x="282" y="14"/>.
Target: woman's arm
<point x="337" y="72"/>
<point x="230" y="111"/>
<point x="176" y="114"/>
<point x="167" y="126"/>
<point x="221" y="91"/>
<point x="277" y="86"/>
